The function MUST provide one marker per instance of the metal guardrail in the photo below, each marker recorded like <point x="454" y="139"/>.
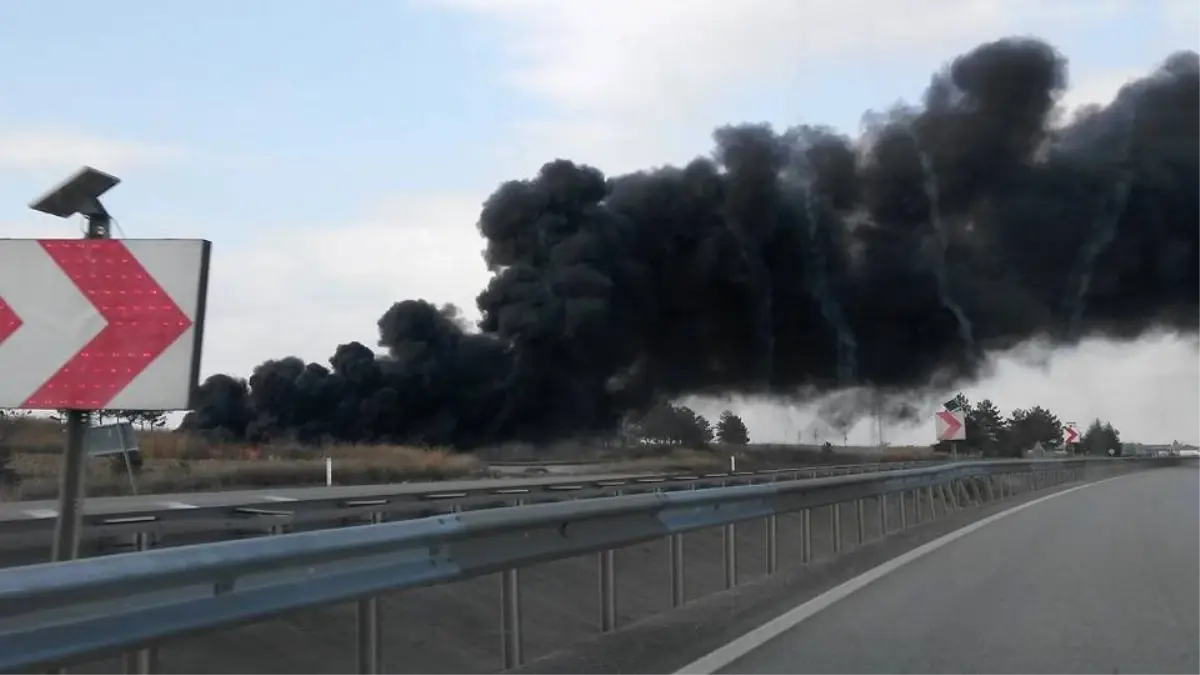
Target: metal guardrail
<point x="58" y="613"/>
<point x="275" y="511"/>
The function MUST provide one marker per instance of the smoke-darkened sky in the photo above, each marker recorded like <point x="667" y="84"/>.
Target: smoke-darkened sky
<point x="340" y="178"/>
<point x="792" y="262"/>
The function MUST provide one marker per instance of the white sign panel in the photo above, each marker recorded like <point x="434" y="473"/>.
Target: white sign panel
<point x="94" y="324"/>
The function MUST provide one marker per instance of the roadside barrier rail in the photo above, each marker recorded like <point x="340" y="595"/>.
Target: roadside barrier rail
<point x="55" y="614"/>
<point x="275" y="511"/>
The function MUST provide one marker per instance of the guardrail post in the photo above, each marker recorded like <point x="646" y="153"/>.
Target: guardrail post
<point x="860" y="521"/>
<point x="370" y="647"/>
<point x="510" y="615"/>
<point x="772" y="537"/>
<point x="510" y="618"/>
<point x="142" y="661"/>
<point x="676" y="544"/>
<point x="903" y="510"/>
<point x="806" y="536"/>
<point x="608" y="591"/>
<point x="929" y="498"/>
<point x="608" y="587"/>
<point x="883" y="515"/>
<point x="835" y="523"/>
<point x="729" y="557"/>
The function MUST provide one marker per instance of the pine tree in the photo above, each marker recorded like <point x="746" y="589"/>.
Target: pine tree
<point x="731" y="429"/>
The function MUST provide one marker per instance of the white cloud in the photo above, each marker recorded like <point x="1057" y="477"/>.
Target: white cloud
<point x="1100" y="87"/>
<point x="1181" y="21"/>
<point x="639" y="58"/>
<point x="303" y="291"/>
<point x="635" y="84"/>
<point x="47" y="149"/>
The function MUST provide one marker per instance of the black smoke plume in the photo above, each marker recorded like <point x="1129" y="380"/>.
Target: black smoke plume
<point x="787" y="262"/>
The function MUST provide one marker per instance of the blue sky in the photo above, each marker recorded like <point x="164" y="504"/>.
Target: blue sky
<point x="305" y="110"/>
<point x="296" y="111"/>
<point x="297" y="135"/>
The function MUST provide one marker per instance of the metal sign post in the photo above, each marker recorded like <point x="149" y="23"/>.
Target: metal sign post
<point x="70" y="486"/>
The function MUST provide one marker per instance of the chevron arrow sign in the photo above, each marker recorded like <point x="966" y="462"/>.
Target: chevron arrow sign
<point x="99" y="324"/>
<point x="950" y="425"/>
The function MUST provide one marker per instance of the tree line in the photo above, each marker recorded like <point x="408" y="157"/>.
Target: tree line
<point x="679" y="424"/>
<point x="992" y="434"/>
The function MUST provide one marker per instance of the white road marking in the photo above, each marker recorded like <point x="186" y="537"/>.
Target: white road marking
<point x="723" y="656"/>
<point x="278" y="498"/>
<point x="42" y="513"/>
<point x="179" y="505"/>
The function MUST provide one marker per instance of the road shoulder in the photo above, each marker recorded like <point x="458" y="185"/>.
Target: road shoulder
<point x="666" y="642"/>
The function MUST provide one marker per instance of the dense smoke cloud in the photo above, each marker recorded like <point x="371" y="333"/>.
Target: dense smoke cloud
<point x="788" y="261"/>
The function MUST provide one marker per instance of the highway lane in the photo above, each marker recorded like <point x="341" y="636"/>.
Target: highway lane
<point x="189" y="500"/>
<point x="110" y="523"/>
<point x="26" y="514"/>
<point x="1102" y="579"/>
<point x="41" y="509"/>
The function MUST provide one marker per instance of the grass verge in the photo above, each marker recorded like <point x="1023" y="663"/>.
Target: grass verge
<point x="178" y="462"/>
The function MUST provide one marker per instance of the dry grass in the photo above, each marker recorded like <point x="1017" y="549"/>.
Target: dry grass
<point x="178" y="462"/>
<point x="175" y="462"/>
<point x="679" y="459"/>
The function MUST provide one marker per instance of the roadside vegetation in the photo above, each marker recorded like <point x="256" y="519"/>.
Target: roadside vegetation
<point x="668" y="438"/>
<point x="176" y="461"/>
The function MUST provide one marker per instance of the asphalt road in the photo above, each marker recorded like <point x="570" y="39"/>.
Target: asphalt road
<point x="1102" y="579"/>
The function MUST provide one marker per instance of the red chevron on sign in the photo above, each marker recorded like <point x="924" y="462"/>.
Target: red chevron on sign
<point x="949" y="425"/>
<point x="100" y="323"/>
<point x="141" y="321"/>
<point x="1070" y="434"/>
<point x="9" y="321"/>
